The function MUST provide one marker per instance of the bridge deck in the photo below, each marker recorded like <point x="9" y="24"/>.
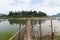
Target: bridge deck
<point x="29" y="35"/>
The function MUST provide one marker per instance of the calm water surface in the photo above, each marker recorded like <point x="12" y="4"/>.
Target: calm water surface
<point x="10" y="27"/>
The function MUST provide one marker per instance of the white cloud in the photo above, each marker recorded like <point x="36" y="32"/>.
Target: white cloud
<point x="57" y="2"/>
<point x="26" y="1"/>
<point x="2" y="2"/>
<point x="48" y="6"/>
<point x="48" y="10"/>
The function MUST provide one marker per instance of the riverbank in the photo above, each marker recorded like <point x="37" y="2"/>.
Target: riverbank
<point x="34" y="18"/>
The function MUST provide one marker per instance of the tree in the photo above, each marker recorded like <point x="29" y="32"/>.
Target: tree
<point x="27" y="14"/>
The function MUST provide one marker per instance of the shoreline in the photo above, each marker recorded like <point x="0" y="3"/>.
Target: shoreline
<point x="35" y="18"/>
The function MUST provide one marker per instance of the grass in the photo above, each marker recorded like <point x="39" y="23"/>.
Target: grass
<point x="57" y="37"/>
<point x="6" y="35"/>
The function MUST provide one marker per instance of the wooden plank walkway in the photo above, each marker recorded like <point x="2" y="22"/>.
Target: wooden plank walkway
<point x="29" y="35"/>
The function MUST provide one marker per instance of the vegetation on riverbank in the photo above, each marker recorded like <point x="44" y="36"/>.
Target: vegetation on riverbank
<point x="6" y="35"/>
<point x="22" y="14"/>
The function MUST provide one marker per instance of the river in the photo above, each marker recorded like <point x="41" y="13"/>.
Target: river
<point x="8" y="27"/>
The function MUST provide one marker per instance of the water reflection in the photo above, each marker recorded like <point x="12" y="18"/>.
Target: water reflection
<point x="40" y="27"/>
<point x="58" y="18"/>
<point x="21" y="25"/>
<point x="35" y="23"/>
<point x="2" y="20"/>
<point x="16" y="21"/>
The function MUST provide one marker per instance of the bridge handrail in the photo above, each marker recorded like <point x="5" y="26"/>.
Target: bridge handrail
<point x="15" y="34"/>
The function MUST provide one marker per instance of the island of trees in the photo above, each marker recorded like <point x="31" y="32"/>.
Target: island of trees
<point x="27" y="14"/>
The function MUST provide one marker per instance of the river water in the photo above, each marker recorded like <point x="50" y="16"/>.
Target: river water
<point x="8" y="27"/>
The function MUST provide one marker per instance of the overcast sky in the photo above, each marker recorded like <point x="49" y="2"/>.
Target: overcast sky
<point x="50" y="7"/>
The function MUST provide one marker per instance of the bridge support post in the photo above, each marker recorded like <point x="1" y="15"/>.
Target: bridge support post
<point x="52" y="31"/>
<point x="40" y="30"/>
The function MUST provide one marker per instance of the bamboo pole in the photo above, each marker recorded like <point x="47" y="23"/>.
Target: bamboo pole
<point x="15" y="35"/>
<point x="40" y="30"/>
<point x="19" y="32"/>
<point x="52" y="33"/>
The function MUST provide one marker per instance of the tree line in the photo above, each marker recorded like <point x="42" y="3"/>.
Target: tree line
<point x="27" y="14"/>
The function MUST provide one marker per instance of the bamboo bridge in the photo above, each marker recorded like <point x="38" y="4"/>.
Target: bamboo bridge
<point x="29" y="34"/>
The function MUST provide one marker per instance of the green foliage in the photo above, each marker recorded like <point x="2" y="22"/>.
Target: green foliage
<point x="27" y="14"/>
<point x="16" y="21"/>
<point x="57" y="37"/>
<point x="6" y="35"/>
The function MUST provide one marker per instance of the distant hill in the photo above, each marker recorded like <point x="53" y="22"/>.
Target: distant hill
<point x="2" y="14"/>
<point x="57" y="15"/>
